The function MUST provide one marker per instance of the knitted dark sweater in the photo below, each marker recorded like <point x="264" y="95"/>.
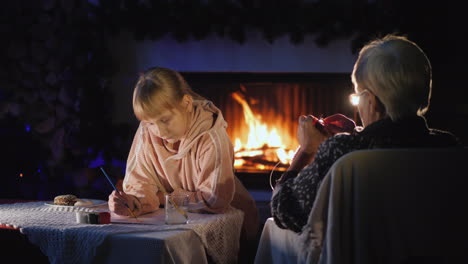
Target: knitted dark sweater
<point x="293" y="199"/>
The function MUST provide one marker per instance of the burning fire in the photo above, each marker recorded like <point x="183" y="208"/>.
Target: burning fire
<point x="264" y="148"/>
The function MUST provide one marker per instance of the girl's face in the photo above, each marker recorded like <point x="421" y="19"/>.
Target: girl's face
<point x="172" y="125"/>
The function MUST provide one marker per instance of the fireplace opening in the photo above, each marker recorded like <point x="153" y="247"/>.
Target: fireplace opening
<point x="263" y="136"/>
<point x="262" y="110"/>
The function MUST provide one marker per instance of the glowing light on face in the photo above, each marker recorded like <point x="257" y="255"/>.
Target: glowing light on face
<point x="354" y="98"/>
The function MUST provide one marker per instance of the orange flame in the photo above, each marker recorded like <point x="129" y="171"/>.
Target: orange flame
<point x="263" y="145"/>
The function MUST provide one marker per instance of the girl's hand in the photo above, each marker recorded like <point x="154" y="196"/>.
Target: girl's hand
<point x="308" y="135"/>
<point x="118" y="202"/>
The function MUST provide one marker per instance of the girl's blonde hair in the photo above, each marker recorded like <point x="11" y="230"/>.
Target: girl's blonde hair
<point x="159" y="89"/>
<point x="398" y="72"/>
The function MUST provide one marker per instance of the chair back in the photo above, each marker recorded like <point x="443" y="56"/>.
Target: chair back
<point x="393" y="206"/>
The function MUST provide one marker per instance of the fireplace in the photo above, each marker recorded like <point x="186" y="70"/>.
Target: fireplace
<point x="262" y="110"/>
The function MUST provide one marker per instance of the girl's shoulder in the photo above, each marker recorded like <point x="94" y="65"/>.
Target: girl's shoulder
<point x="215" y="137"/>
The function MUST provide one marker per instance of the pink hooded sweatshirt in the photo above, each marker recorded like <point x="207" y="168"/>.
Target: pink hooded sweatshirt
<point x="202" y="167"/>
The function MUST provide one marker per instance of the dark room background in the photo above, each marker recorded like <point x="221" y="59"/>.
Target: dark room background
<point x="67" y="70"/>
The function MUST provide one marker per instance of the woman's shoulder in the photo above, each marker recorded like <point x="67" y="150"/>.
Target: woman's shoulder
<point x="343" y="139"/>
<point x="444" y="138"/>
<point x="341" y="144"/>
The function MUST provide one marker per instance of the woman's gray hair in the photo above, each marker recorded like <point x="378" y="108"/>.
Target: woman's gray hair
<point x="398" y="72"/>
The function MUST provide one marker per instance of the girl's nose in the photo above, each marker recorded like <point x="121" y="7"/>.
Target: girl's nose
<point x="162" y="131"/>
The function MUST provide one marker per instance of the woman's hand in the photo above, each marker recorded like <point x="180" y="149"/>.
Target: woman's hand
<point x="118" y="202"/>
<point x="308" y="135"/>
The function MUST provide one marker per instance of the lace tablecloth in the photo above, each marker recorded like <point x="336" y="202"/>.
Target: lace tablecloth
<point x="63" y="240"/>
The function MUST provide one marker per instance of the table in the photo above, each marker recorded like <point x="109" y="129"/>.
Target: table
<point x="277" y="245"/>
<point x="174" y="246"/>
<point x="207" y="237"/>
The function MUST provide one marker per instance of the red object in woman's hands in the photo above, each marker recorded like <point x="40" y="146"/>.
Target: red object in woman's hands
<point x="334" y="124"/>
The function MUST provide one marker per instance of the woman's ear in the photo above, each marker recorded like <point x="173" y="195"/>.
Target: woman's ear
<point x="377" y="107"/>
<point x="187" y="103"/>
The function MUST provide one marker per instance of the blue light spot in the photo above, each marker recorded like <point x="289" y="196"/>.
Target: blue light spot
<point x="99" y="161"/>
<point x="27" y="127"/>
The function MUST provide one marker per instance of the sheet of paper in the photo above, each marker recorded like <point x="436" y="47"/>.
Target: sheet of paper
<point x="154" y="218"/>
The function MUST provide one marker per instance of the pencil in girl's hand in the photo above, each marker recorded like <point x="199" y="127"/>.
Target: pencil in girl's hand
<point x="115" y="188"/>
<point x="110" y="181"/>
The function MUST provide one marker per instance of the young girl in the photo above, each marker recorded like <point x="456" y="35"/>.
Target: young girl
<point x="181" y="144"/>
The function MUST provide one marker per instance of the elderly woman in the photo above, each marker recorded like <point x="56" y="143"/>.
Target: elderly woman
<point x="392" y="80"/>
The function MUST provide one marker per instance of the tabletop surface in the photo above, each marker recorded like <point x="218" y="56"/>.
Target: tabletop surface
<point x="48" y="226"/>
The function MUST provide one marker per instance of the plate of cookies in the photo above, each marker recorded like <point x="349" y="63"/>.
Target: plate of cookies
<point x="70" y="200"/>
